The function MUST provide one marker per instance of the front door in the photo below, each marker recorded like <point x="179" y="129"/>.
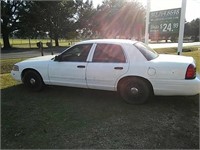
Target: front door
<point x="70" y="68"/>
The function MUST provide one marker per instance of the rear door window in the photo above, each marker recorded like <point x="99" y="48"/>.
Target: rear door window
<point x="109" y="53"/>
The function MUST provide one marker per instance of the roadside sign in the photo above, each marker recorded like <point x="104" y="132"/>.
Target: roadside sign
<point x="164" y="21"/>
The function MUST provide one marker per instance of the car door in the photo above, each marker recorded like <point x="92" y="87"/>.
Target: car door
<point x="69" y="68"/>
<point x="107" y="66"/>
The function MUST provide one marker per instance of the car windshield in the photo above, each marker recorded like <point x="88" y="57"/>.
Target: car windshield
<point x="148" y="53"/>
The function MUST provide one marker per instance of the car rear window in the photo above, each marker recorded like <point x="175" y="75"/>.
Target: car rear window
<point x="146" y="51"/>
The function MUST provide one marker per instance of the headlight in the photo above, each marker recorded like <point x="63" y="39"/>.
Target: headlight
<point x="15" y="68"/>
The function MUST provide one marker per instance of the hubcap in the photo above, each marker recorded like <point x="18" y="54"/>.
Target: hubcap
<point x="32" y="81"/>
<point x="134" y="91"/>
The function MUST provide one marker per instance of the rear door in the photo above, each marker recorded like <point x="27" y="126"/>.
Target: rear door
<point x="107" y="66"/>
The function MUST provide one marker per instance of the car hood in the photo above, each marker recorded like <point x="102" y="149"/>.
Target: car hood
<point x="39" y="59"/>
<point x="165" y="58"/>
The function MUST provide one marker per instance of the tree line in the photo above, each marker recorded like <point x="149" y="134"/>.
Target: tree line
<point x="192" y="29"/>
<point x="73" y="18"/>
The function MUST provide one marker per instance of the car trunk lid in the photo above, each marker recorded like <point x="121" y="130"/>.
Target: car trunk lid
<point x="174" y="59"/>
<point x="171" y="66"/>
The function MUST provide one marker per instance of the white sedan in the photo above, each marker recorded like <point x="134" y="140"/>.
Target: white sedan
<point x="129" y="67"/>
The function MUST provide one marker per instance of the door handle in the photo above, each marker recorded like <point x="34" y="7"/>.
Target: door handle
<point x="118" y="68"/>
<point x="80" y="66"/>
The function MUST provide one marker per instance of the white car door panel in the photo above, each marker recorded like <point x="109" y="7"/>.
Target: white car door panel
<point x="107" y="66"/>
<point x="104" y="76"/>
<point x="69" y="68"/>
<point x="68" y="73"/>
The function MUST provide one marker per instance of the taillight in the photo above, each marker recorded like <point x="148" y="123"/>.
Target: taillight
<point x="191" y="72"/>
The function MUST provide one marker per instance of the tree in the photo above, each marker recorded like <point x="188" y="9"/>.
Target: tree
<point x="187" y="29"/>
<point x="84" y="22"/>
<point x="11" y="13"/>
<point x="120" y="18"/>
<point x="54" y="17"/>
<point x="114" y="18"/>
<point x="192" y="29"/>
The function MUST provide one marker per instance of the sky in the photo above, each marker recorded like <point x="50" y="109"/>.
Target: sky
<point x="192" y="6"/>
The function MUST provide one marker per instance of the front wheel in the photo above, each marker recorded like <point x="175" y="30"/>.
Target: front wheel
<point x="135" y="91"/>
<point x="33" y="80"/>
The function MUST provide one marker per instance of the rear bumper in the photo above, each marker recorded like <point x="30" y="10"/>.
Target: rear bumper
<point x="177" y="87"/>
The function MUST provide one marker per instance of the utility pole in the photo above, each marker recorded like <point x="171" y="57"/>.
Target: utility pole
<point x="182" y="26"/>
<point x="147" y="22"/>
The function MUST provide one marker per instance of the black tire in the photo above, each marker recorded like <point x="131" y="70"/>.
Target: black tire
<point x="33" y="80"/>
<point x="135" y="90"/>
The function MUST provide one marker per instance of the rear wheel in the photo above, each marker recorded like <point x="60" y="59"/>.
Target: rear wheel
<point x="135" y="90"/>
<point x="33" y="80"/>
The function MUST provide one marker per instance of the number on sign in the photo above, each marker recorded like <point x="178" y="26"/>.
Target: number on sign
<point x="175" y="25"/>
<point x="166" y="27"/>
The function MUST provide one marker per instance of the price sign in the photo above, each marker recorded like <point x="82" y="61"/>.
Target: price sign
<point x="165" y="21"/>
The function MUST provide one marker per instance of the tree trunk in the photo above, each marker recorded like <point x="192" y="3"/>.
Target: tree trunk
<point x="6" y="43"/>
<point x="56" y="41"/>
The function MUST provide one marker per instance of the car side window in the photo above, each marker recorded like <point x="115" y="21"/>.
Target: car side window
<point x="77" y="53"/>
<point x="109" y="53"/>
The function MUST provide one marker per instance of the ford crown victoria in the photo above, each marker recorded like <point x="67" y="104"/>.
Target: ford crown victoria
<point x="129" y="67"/>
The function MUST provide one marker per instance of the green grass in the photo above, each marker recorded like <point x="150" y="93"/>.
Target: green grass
<point x="7" y="81"/>
<point x="173" y="50"/>
<point x="7" y="64"/>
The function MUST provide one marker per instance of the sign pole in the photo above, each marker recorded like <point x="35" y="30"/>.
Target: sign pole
<point x="147" y="22"/>
<point x="181" y="29"/>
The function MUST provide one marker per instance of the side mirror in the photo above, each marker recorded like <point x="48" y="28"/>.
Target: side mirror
<point x="57" y="58"/>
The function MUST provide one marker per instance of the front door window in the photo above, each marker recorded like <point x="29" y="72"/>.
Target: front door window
<point x="77" y="53"/>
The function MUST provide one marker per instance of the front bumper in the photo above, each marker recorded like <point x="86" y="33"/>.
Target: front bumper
<point x="16" y="75"/>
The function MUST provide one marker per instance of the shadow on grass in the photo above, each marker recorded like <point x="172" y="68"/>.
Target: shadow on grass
<point x="61" y="117"/>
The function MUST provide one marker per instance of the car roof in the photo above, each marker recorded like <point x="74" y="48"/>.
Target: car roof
<point x="114" y="41"/>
